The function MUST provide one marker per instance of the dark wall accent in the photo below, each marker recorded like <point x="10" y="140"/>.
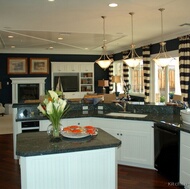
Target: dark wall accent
<point x="99" y="74"/>
<point x="6" y="91"/>
<point x="171" y="45"/>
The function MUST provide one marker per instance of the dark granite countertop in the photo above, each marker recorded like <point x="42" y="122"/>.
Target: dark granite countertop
<point x="167" y="118"/>
<point x="38" y="143"/>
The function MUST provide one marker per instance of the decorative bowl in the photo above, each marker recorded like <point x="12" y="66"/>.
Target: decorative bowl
<point x="185" y="116"/>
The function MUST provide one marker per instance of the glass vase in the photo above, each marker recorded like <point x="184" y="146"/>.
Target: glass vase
<point x="54" y="132"/>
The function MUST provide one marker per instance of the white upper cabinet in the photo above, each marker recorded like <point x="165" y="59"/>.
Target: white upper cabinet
<point x="86" y="67"/>
<point x="78" y="87"/>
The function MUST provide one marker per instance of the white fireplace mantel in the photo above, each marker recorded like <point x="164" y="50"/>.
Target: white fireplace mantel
<point x="27" y="80"/>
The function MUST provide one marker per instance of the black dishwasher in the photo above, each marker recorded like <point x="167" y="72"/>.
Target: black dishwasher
<point x="167" y="150"/>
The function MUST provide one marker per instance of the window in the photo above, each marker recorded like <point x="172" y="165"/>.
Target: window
<point x="167" y="81"/>
<point x="136" y="78"/>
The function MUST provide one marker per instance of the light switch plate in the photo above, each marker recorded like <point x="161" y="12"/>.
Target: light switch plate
<point x="100" y="107"/>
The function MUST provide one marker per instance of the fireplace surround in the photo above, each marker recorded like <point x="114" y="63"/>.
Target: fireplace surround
<point x="35" y="86"/>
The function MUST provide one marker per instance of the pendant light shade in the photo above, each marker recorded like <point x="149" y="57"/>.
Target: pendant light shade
<point x="132" y="59"/>
<point x="162" y="59"/>
<point x="104" y="61"/>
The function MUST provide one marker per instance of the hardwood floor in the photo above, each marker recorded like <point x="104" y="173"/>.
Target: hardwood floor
<point x="128" y="177"/>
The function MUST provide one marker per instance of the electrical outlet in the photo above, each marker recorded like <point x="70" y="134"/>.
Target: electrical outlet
<point x="85" y="107"/>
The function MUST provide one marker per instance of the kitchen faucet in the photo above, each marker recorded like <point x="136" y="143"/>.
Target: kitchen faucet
<point x="124" y="107"/>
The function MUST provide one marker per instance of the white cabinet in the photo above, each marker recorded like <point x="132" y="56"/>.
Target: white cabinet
<point x="185" y="159"/>
<point x="86" y="67"/>
<point x="78" y="121"/>
<point x="86" y="82"/>
<point x="60" y="67"/>
<point x="66" y="122"/>
<point x="82" y="78"/>
<point x="137" y="148"/>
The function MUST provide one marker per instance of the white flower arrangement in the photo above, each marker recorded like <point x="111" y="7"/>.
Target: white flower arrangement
<point x="54" y="108"/>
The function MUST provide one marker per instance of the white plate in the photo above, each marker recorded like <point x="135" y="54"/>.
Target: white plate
<point x="74" y="135"/>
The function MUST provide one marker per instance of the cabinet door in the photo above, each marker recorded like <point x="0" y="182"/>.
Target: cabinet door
<point x="72" y="67"/>
<point x="87" y="67"/>
<point x="59" y="67"/>
<point x="185" y="159"/>
<point x="44" y="125"/>
<point x="117" y="135"/>
<point x="136" y="148"/>
<point x="79" y="121"/>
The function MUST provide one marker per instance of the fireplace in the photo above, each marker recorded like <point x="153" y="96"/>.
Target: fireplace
<point x="27" y="88"/>
<point x="28" y="92"/>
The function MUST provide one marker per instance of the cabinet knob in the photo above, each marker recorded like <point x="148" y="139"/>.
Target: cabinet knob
<point x="121" y="134"/>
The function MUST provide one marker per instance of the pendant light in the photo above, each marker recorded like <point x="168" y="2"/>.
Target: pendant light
<point x="162" y="59"/>
<point x="104" y="61"/>
<point x="132" y="59"/>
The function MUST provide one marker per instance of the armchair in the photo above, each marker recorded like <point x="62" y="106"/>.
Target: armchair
<point x="2" y="109"/>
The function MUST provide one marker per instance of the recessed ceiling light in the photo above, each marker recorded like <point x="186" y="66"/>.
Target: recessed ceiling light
<point x="51" y="0"/>
<point x="60" y="38"/>
<point x="10" y="36"/>
<point x="12" y="46"/>
<point x="50" y="47"/>
<point x="113" y="5"/>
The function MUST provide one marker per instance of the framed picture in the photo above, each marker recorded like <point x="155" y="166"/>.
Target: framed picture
<point x="39" y="65"/>
<point x="17" y="66"/>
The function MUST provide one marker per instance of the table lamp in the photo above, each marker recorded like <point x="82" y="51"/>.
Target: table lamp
<point x="116" y="79"/>
<point x="103" y="83"/>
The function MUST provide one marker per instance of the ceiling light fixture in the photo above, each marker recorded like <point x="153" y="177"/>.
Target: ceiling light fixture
<point x="113" y="5"/>
<point x="162" y="59"/>
<point x="132" y="59"/>
<point x="104" y="61"/>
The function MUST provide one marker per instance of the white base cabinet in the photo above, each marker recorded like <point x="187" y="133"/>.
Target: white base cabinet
<point x="185" y="159"/>
<point x="137" y="137"/>
<point x="66" y="122"/>
<point x="137" y="148"/>
<point x="94" y="169"/>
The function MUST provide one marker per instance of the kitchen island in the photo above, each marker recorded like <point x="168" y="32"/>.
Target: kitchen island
<point x="69" y="164"/>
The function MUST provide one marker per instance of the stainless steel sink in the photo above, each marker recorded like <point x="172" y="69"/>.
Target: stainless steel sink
<point x="125" y="114"/>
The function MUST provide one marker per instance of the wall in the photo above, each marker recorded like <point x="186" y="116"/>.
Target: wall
<point x="6" y="91"/>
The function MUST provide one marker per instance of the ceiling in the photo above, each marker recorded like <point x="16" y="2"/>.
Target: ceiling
<point x="36" y="25"/>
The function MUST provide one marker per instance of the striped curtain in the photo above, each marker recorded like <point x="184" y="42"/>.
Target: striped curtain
<point x="125" y="68"/>
<point x="146" y="69"/>
<point x="184" y="67"/>
<point x="110" y="77"/>
<point x="125" y="73"/>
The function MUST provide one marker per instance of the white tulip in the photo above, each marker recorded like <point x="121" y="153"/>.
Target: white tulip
<point x="49" y="108"/>
<point x="53" y="94"/>
<point x="41" y="109"/>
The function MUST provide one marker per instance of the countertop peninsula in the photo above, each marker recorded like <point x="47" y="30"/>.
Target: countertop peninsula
<point x="53" y="165"/>
<point x="38" y="143"/>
